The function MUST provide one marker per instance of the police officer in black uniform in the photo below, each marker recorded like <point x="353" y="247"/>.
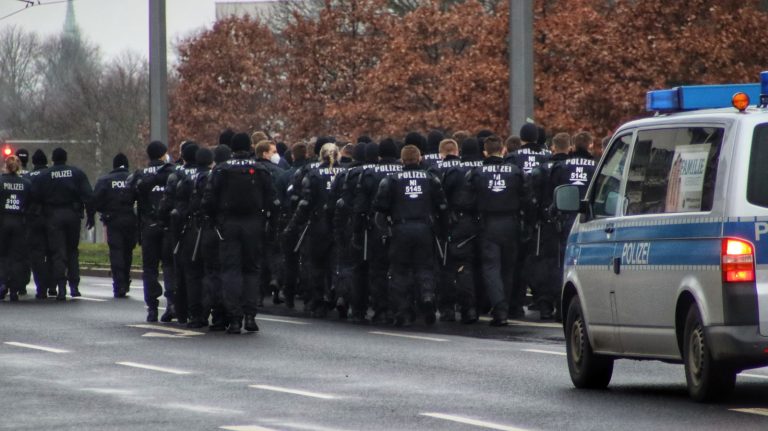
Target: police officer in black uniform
<point x="544" y="252"/>
<point x="148" y="186"/>
<point x="40" y="259"/>
<point x="291" y="275"/>
<point x="373" y="238"/>
<point x="190" y="255"/>
<point x="267" y="157"/>
<point x="241" y="198"/>
<point x="114" y="200"/>
<point x="14" y="198"/>
<point x="174" y="211"/>
<point x="351" y="279"/>
<point x="65" y="193"/>
<point x="463" y="248"/>
<point x="414" y="204"/>
<point x="315" y="211"/>
<point x="500" y="194"/>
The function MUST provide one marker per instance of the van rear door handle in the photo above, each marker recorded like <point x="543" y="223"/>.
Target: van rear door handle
<point x="609" y="228"/>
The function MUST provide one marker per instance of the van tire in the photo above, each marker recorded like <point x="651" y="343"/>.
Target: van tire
<point x="707" y="379"/>
<point x="588" y="370"/>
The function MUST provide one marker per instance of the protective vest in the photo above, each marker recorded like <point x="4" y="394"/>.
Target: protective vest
<point x="14" y="194"/>
<point x="529" y="158"/>
<point x="498" y="187"/>
<point x="411" y="196"/>
<point x="241" y="188"/>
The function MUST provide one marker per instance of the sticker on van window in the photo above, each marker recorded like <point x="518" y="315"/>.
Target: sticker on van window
<point x="686" y="178"/>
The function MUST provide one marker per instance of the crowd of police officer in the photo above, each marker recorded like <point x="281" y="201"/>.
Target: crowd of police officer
<point x="428" y="227"/>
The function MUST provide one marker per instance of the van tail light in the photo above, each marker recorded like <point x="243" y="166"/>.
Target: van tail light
<point x="738" y="261"/>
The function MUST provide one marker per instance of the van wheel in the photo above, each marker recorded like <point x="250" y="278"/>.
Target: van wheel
<point x="588" y="370"/>
<point x="707" y="379"/>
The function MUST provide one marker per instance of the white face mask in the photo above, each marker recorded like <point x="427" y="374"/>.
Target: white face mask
<point x="275" y="158"/>
<point x="167" y="158"/>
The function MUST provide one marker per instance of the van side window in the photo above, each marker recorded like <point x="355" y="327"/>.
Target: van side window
<point x="673" y="170"/>
<point x="605" y="201"/>
<point x="757" y="180"/>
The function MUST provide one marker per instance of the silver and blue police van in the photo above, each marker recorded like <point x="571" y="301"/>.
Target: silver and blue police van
<point x="668" y="257"/>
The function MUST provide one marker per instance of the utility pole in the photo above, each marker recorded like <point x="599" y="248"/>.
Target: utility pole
<point x="158" y="73"/>
<point x="520" y="63"/>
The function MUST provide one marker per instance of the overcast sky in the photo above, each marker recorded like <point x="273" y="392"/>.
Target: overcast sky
<point x="113" y="25"/>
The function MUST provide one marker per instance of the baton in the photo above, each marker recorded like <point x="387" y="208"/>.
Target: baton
<point x="445" y="255"/>
<point x="439" y="249"/>
<point x="365" y="245"/>
<point x="301" y="239"/>
<point x="221" y="238"/>
<point x="538" y="238"/>
<point x="463" y="243"/>
<point x="197" y="244"/>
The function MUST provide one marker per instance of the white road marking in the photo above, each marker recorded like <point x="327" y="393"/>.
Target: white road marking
<point x="474" y="422"/>
<point x="153" y="368"/>
<point x="413" y="337"/>
<point x="761" y="412"/>
<point x="546" y="352"/>
<point x="245" y="428"/>
<point x="203" y="409"/>
<point x="85" y="298"/>
<point x="34" y="347"/>
<point x="515" y="322"/>
<point x="294" y="392"/>
<point x="167" y="329"/>
<point x="300" y="426"/>
<point x="162" y="335"/>
<point x="754" y="376"/>
<point x="272" y="319"/>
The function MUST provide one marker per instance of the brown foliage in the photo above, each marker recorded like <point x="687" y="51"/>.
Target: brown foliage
<point x="359" y="68"/>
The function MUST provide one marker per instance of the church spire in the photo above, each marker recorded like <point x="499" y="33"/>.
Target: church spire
<point x="70" y="25"/>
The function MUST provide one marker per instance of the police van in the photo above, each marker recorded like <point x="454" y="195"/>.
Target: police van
<point x="668" y="257"/>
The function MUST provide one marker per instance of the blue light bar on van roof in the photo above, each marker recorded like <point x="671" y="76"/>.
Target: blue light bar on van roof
<point x="690" y="97"/>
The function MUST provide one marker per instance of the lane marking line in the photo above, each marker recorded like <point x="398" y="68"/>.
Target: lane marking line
<point x="245" y="428"/>
<point x="34" y="347"/>
<point x="515" y="322"/>
<point x="163" y="335"/>
<point x="300" y="426"/>
<point x="413" y="337"/>
<point x="203" y="409"/>
<point x="760" y="412"/>
<point x="85" y="298"/>
<point x="546" y="352"/>
<point x="153" y="368"/>
<point x="474" y="422"/>
<point x="294" y="392"/>
<point x="167" y="329"/>
<point x="754" y="376"/>
<point x="272" y="319"/>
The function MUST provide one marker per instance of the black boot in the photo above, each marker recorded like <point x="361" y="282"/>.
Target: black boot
<point x="62" y="295"/>
<point x="51" y="291"/>
<point x="469" y="316"/>
<point x="448" y="314"/>
<point x="170" y="313"/>
<point x="152" y="315"/>
<point x="74" y="291"/>
<point x="546" y="310"/>
<point x="342" y="309"/>
<point x="14" y="296"/>
<point x="197" y="323"/>
<point x="218" y="323"/>
<point x="250" y="323"/>
<point x="428" y="307"/>
<point x="235" y="326"/>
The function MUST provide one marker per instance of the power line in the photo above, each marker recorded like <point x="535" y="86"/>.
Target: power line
<point x="31" y="3"/>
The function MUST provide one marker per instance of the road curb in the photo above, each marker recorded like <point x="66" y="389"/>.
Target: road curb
<point x="106" y="272"/>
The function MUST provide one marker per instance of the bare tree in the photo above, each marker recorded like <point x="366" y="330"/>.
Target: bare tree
<point x="19" y="80"/>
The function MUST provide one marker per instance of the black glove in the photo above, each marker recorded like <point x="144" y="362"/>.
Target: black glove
<point x="90" y="223"/>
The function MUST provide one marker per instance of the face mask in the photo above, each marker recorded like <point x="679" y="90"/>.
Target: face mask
<point x="275" y="158"/>
<point x="167" y="158"/>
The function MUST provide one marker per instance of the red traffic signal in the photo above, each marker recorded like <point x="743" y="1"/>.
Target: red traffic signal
<point x="7" y="151"/>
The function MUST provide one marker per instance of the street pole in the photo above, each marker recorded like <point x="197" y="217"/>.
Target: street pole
<point x="158" y="73"/>
<point x="520" y="63"/>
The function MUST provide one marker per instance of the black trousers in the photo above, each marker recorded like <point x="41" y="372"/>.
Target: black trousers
<point x="193" y="272"/>
<point x="378" y="265"/>
<point x="39" y="258"/>
<point x="62" y="228"/>
<point x="545" y="263"/>
<point x="240" y="257"/>
<point x="321" y="262"/>
<point x="213" y="301"/>
<point x="157" y="250"/>
<point x="12" y="268"/>
<point x="121" y="239"/>
<point x="462" y="261"/>
<point x="498" y="247"/>
<point x="412" y="263"/>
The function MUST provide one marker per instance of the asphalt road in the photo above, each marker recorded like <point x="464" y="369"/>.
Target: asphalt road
<point x="103" y="368"/>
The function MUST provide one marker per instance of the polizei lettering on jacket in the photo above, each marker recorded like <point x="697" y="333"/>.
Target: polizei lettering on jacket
<point x="497" y="169"/>
<point x="412" y="175"/>
<point x="67" y="173"/>
<point x="13" y="186"/>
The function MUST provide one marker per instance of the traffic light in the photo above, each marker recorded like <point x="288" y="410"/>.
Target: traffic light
<point x="7" y="151"/>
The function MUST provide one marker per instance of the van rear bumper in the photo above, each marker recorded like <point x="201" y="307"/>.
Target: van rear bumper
<point x="741" y="346"/>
